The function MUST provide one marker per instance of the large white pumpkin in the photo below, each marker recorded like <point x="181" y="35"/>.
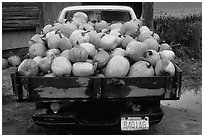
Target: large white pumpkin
<point x="118" y="66"/>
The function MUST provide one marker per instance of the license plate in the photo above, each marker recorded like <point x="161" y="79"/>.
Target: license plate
<point x="134" y="123"/>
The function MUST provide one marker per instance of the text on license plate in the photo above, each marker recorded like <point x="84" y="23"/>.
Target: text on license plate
<point x="134" y="123"/>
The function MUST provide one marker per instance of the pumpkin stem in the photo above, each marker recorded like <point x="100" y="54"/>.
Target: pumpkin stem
<point x="160" y="55"/>
<point x="103" y="35"/>
<point x="66" y="20"/>
<point x="95" y="65"/>
<point x="83" y="33"/>
<point x="27" y="56"/>
<point x="84" y="29"/>
<point x="120" y="35"/>
<point x="56" y="31"/>
<point x="153" y="33"/>
<point x="77" y="42"/>
<point x="60" y="35"/>
<point x="54" y="55"/>
<point x="43" y="36"/>
<point x="158" y="49"/>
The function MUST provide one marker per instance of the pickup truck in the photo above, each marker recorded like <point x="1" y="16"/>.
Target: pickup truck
<point x="124" y="103"/>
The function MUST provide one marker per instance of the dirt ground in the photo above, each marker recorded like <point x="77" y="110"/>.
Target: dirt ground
<point x="16" y="117"/>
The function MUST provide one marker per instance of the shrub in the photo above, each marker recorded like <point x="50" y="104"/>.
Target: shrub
<point x="185" y="32"/>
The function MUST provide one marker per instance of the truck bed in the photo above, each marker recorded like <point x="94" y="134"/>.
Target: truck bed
<point x="41" y="88"/>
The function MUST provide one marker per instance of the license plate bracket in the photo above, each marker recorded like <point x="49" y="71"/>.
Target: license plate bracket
<point x="134" y="123"/>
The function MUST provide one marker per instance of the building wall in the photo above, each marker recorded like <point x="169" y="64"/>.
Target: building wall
<point x="20" y="20"/>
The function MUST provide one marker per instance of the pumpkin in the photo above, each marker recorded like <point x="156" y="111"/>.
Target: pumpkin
<point x="83" y="69"/>
<point x="45" y="64"/>
<point x="14" y="60"/>
<point x="144" y="35"/>
<point x="100" y="75"/>
<point x="47" y="28"/>
<point x="164" y="46"/>
<point x="117" y="25"/>
<point x="102" y="24"/>
<point x="90" y="49"/>
<point x="79" y="35"/>
<point x="61" y="66"/>
<point x="164" y="67"/>
<point x="119" y="51"/>
<point x="151" y="43"/>
<point x="37" y="38"/>
<point x="118" y="66"/>
<point x="141" y="69"/>
<point x="52" y="53"/>
<point x="130" y="28"/>
<point x="89" y="61"/>
<point x="78" y="54"/>
<point x="136" y="50"/>
<point x="65" y="54"/>
<point x="80" y="16"/>
<point x="126" y="40"/>
<point x="152" y="56"/>
<point x="4" y="63"/>
<point x="95" y="39"/>
<point x="49" y="75"/>
<point x="28" y="67"/>
<point x="56" y="26"/>
<point x="53" y="41"/>
<point x="37" y="49"/>
<point x="64" y="43"/>
<point x="37" y="59"/>
<point x="67" y="29"/>
<point x="109" y="42"/>
<point x="86" y="27"/>
<point x="102" y="58"/>
<point x="167" y="54"/>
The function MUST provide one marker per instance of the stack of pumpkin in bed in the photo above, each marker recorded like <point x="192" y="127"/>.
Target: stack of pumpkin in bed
<point x="85" y="48"/>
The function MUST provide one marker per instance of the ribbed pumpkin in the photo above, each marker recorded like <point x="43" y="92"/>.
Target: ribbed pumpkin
<point x="118" y="66"/>
<point x="78" y="54"/>
<point x="64" y="43"/>
<point x="102" y="58"/>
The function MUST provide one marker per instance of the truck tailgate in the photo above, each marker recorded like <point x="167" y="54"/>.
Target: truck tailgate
<point x="89" y="88"/>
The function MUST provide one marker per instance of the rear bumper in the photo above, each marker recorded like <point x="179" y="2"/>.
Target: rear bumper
<point x="71" y="120"/>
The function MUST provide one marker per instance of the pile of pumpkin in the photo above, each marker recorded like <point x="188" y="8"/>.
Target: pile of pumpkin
<point x="88" y="47"/>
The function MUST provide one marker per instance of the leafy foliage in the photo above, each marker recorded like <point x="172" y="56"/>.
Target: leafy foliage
<point x="185" y="32"/>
